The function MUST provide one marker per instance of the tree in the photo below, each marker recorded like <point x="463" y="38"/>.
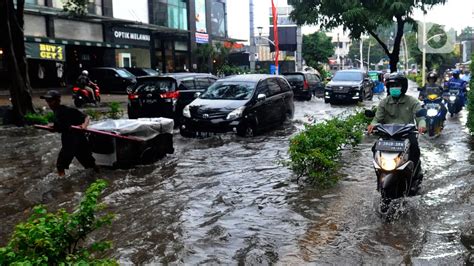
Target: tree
<point x="11" y="30"/>
<point x="362" y="17"/>
<point x="317" y="47"/>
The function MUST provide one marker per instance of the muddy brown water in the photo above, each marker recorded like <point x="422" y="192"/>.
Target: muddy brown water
<point x="228" y="200"/>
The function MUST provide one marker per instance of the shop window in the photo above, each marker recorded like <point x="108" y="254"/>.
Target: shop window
<point x="93" y="6"/>
<point x="181" y="46"/>
<point x="2" y="61"/>
<point x="171" y="13"/>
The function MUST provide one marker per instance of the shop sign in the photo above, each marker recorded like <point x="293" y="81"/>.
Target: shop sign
<point x="129" y="36"/>
<point x="45" y="51"/>
<point x="202" y="37"/>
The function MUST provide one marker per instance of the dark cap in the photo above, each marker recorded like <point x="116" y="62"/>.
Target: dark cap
<point x="52" y="94"/>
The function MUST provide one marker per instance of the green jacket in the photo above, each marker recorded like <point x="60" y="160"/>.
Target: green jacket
<point x="398" y="111"/>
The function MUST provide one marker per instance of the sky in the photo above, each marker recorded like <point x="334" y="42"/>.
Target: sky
<point x="456" y="14"/>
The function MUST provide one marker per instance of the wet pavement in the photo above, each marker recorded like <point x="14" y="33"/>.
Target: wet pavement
<point x="228" y="200"/>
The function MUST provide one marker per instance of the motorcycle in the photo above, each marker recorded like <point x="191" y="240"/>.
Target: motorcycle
<point x="454" y="99"/>
<point x="434" y="114"/>
<point x="83" y="96"/>
<point x="397" y="174"/>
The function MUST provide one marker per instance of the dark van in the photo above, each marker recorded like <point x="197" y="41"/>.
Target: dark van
<point x="111" y="79"/>
<point x="244" y="104"/>
<point x="305" y="85"/>
<point x="166" y="95"/>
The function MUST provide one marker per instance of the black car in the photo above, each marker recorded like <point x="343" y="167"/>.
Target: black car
<point x="244" y="104"/>
<point x="166" y="95"/>
<point x="305" y="85"/>
<point x="111" y="79"/>
<point x="141" y="72"/>
<point x="349" y="85"/>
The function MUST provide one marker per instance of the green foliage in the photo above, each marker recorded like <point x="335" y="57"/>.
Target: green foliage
<point x="38" y="118"/>
<point x="470" y="103"/>
<point x="361" y="17"/>
<point x="115" y="111"/>
<point x="75" y="7"/>
<point x="418" y="78"/>
<point x="59" y="238"/>
<point x="228" y="70"/>
<point x="315" y="151"/>
<point x="93" y="114"/>
<point x="317" y="47"/>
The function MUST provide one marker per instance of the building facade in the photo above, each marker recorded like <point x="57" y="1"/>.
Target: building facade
<point x="158" y="34"/>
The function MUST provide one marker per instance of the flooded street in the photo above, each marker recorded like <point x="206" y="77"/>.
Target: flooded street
<point x="228" y="200"/>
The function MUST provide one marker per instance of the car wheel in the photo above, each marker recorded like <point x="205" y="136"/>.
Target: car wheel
<point x="186" y="133"/>
<point x="78" y="103"/>
<point x="246" y="131"/>
<point x="308" y="97"/>
<point x="361" y="96"/>
<point x="371" y="96"/>
<point x="327" y="100"/>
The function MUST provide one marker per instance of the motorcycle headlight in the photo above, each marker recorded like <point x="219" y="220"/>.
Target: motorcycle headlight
<point x="186" y="112"/>
<point x="389" y="164"/>
<point x="237" y="113"/>
<point x="432" y="112"/>
<point x="452" y="98"/>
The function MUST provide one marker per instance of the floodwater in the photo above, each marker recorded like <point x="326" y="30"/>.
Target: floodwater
<point x="228" y="200"/>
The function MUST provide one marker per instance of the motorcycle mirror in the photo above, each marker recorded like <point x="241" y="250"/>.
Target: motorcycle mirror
<point x="421" y="113"/>
<point x="369" y="113"/>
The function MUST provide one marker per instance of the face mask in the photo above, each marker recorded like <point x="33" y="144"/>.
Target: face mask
<point x="396" y="92"/>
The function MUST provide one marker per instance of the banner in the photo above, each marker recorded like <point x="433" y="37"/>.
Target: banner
<point x="45" y="51"/>
<point x="275" y="34"/>
<point x="201" y="16"/>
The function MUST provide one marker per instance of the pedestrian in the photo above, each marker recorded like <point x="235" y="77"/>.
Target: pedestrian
<point x="74" y="142"/>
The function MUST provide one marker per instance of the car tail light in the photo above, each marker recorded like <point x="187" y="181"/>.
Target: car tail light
<point x="170" y="95"/>
<point x="133" y="96"/>
<point x="75" y="89"/>
<point x="305" y="85"/>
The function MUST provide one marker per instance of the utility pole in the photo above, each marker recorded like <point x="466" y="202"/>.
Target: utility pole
<point x="361" y="56"/>
<point x="299" y="49"/>
<point x="368" y="56"/>
<point x="252" y="37"/>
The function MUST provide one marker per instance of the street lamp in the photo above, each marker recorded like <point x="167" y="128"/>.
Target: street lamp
<point x="260" y="30"/>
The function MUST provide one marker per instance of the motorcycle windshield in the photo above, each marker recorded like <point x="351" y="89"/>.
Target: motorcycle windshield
<point x="394" y="130"/>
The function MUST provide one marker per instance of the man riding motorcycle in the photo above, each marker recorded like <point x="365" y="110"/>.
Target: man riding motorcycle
<point x="399" y="108"/>
<point x="457" y="83"/>
<point x="84" y="82"/>
<point x="432" y="88"/>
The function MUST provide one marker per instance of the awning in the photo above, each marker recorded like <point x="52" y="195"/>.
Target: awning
<point x="75" y="42"/>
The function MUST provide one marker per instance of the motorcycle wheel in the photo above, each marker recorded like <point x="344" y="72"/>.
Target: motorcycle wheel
<point x="78" y="103"/>
<point x="431" y="130"/>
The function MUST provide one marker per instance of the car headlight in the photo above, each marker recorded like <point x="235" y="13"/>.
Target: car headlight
<point x="186" y="112"/>
<point x="237" y="113"/>
<point x="388" y="164"/>
<point x="452" y="98"/>
<point x="432" y="112"/>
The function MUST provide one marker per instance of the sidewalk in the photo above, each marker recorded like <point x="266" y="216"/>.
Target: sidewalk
<point x="66" y="98"/>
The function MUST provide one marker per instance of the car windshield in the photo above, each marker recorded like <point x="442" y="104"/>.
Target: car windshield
<point x="155" y="86"/>
<point x="124" y="73"/>
<point x="294" y="77"/>
<point x="347" y="76"/>
<point x="151" y="72"/>
<point x="229" y="91"/>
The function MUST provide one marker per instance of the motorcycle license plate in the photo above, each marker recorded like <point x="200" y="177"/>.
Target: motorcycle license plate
<point x="390" y="145"/>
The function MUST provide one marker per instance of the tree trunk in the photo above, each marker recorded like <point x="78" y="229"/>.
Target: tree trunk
<point x="14" y="44"/>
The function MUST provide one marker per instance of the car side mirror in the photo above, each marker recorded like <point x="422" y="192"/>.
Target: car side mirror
<point x="197" y="94"/>
<point x="369" y="113"/>
<point x="421" y="113"/>
<point x="261" y="97"/>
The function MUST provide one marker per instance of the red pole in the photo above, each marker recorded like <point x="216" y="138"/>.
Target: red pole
<point x="275" y="35"/>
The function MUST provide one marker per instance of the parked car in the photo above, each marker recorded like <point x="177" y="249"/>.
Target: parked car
<point x="141" y="72"/>
<point x="349" y="85"/>
<point x="166" y="95"/>
<point x="305" y="85"/>
<point x="111" y="79"/>
<point x="245" y="104"/>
